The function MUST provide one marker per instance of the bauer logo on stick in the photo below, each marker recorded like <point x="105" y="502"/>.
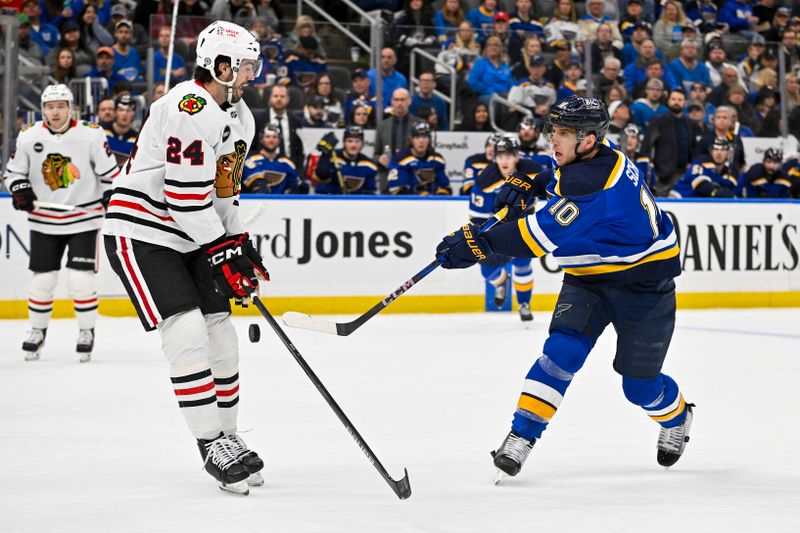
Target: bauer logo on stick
<point x="192" y="104"/>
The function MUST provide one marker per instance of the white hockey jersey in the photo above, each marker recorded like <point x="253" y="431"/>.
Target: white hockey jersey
<point x="180" y="187"/>
<point x="73" y="168"/>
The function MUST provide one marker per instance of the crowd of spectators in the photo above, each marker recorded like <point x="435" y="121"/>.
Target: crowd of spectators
<point x="643" y="58"/>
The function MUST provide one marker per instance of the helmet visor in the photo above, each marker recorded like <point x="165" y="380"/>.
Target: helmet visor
<point x="251" y="67"/>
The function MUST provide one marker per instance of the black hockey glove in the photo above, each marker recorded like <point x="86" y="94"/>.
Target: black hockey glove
<point x="465" y="247"/>
<point x="233" y="270"/>
<point x="255" y="257"/>
<point x="722" y="192"/>
<point x="517" y="194"/>
<point x="22" y="195"/>
<point x="326" y="145"/>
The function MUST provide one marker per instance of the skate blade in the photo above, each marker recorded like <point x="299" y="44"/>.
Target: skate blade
<point x="255" y="480"/>
<point x="499" y="476"/>
<point x="235" y="488"/>
<point x="32" y="356"/>
<point x="84" y="357"/>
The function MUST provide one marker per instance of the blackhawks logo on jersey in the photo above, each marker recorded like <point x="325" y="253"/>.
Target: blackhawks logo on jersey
<point x="229" y="171"/>
<point x="59" y="172"/>
<point x="90" y="124"/>
<point x="192" y="104"/>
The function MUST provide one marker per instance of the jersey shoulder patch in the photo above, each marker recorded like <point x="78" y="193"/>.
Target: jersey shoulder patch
<point x="89" y="124"/>
<point x="192" y="104"/>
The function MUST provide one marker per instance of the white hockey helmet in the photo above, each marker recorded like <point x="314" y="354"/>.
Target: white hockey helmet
<point x="223" y="38"/>
<point x="57" y="93"/>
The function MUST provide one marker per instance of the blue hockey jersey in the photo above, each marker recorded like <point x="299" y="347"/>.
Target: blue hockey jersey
<point x="358" y="175"/>
<point x="409" y="174"/>
<point x="759" y="184"/>
<point x="702" y="179"/>
<point x="488" y="182"/>
<point x="268" y="176"/>
<point x="473" y="166"/>
<point x="537" y="157"/>
<point x="601" y="224"/>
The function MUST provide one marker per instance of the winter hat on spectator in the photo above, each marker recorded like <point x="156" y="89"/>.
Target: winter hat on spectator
<point x="612" y="108"/>
<point x="694" y="105"/>
<point x="317" y="101"/>
<point x="758" y="40"/>
<point x="536" y="61"/>
<point x="358" y="73"/>
<point x="119" y="11"/>
<point x="501" y="15"/>
<point x="70" y="25"/>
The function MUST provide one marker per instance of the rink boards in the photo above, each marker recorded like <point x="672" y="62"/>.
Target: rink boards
<point x="337" y="255"/>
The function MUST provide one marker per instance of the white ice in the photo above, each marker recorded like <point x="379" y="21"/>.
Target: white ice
<point x="102" y="446"/>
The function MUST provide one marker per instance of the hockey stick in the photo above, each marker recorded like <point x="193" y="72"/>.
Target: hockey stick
<point x="39" y="204"/>
<point x="342" y="186"/>
<point x="400" y="487"/>
<point x="304" y="321"/>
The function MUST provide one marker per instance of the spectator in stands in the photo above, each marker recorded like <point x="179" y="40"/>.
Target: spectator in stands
<point x="698" y="93"/>
<point x="730" y="78"/>
<point x="501" y="29"/>
<point x="360" y="92"/>
<point x="594" y="16"/>
<point x="29" y="48"/>
<point x="723" y="127"/>
<point x="334" y="114"/>
<point x="667" y="29"/>
<point x="304" y="64"/>
<point x="616" y="93"/>
<point x="671" y="143"/>
<point x="460" y="52"/>
<point x="768" y="114"/>
<point x="563" y="25"/>
<point x="767" y="72"/>
<point x="490" y="74"/>
<point x="645" y="109"/>
<point x="390" y="78"/>
<point x="620" y="115"/>
<point x="738" y="15"/>
<point x="519" y="66"/>
<point x="428" y="114"/>
<point x="361" y="115"/>
<point x="425" y="97"/>
<point x="635" y="72"/>
<point x="178" y="70"/>
<point x="120" y="133"/>
<point x="607" y="76"/>
<point x="314" y="113"/>
<point x="158" y="91"/>
<point x="790" y="49"/>
<point x="126" y="59"/>
<point x="415" y="26"/>
<point x="106" y="109"/>
<point x="750" y="62"/>
<point x="555" y="72"/>
<point x="447" y="20"/>
<point x="631" y="51"/>
<point x="392" y="135"/>
<point x="534" y="92"/>
<point x="71" y="39"/>
<point x="764" y="11"/>
<point x="270" y="12"/>
<point x="64" y="69"/>
<point x="104" y="67"/>
<point x="779" y="23"/>
<point x="603" y="47"/>
<point x="482" y="18"/>
<point x="140" y="39"/>
<point x="697" y="113"/>
<point x="477" y="120"/>
<point x="54" y="12"/>
<point x="746" y="114"/>
<point x="46" y="35"/>
<point x="303" y="28"/>
<point x="232" y="10"/>
<point x="277" y="114"/>
<point x="792" y="98"/>
<point x="655" y="70"/>
<point x="634" y="14"/>
<point x="524" y="24"/>
<point x="573" y="71"/>
<point x="687" y="69"/>
<point x="103" y="9"/>
<point x="93" y="34"/>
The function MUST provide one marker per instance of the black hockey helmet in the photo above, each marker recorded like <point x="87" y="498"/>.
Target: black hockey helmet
<point x="527" y="123"/>
<point x="773" y="154"/>
<point x="492" y="139"/>
<point x="583" y="114"/>
<point x="421" y="129"/>
<point x="506" y="145"/>
<point x="721" y="143"/>
<point x="354" y="132"/>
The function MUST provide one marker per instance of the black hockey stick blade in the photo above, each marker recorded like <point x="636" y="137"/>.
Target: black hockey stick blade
<point x="343" y="329"/>
<point x="402" y="487"/>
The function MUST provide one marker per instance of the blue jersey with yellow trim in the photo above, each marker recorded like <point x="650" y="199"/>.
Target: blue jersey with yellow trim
<point x="269" y="176"/>
<point x="646" y="169"/>
<point x="760" y="184"/>
<point x="121" y="144"/>
<point x="358" y="174"/>
<point x="601" y="224"/>
<point x="702" y="179"/>
<point x="303" y="71"/>
<point x="473" y="166"/>
<point x="537" y="156"/>
<point x="488" y="182"/>
<point x="409" y="174"/>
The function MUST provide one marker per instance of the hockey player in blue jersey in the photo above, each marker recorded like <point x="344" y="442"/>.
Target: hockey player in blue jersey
<point x="631" y="144"/>
<point x="619" y="253"/>
<point x="346" y="166"/>
<point x="419" y="169"/>
<point x="767" y="179"/>
<point x="528" y="132"/>
<point x="710" y="175"/>
<point x="507" y="161"/>
<point x="267" y="171"/>
<point x="475" y="163"/>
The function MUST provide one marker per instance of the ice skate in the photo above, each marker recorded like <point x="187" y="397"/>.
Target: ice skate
<point x="501" y="293"/>
<point x="250" y="459"/>
<point x="525" y="312"/>
<point x="221" y="462"/>
<point x="672" y="441"/>
<point x="33" y="344"/>
<point x="85" y="345"/>
<point x="511" y="455"/>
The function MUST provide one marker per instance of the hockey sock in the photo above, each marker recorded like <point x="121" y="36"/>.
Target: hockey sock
<point x="523" y="283"/>
<point x="84" y="293"/>
<point x="184" y="340"/>
<point x="224" y="356"/>
<point x="660" y="398"/>
<point x="40" y="299"/>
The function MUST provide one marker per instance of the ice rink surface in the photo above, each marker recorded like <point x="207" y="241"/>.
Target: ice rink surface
<point x="102" y="446"/>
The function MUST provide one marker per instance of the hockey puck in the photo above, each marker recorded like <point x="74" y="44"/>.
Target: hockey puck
<point x="254" y="332"/>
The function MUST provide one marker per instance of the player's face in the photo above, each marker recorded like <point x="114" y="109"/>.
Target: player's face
<point x="507" y="163"/>
<point x="771" y="166"/>
<point x="125" y="116"/>
<point x="719" y="155"/>
<point x="631" y="143"/>
<point x="248" y="70"/>
<point x="352" y="145"/>
<point x="56" y="113"/>
<point x="360" y="116"/>
<point x="489" y="152"/>
<point x="526" y="135"/>
<point x="564" y="141"/>
<point x="270" y="141"/>
<point x="420" y="143"/>
<point x="163" y="37"/>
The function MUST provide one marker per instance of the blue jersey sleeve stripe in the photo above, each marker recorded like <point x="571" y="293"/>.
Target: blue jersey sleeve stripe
<point x="530" y="240"/>
<point x="605" y="269"/>
<point x="577" y="261"/>
<point x="616" y="172"/>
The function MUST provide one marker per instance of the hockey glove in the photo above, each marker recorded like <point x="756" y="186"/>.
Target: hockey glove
<point x="465" y="247"/>
<point x="22" y="195"/>
<point x="233" y="271"/>
<point x="255" y="257"/>
<point x="517" y="194"/>
<point x="327" y="144"/>
<point x="722" y="192"/>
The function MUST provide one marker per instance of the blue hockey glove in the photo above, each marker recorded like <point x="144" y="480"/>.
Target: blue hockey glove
<point x="465" y="247"/>
<point x="517" y="194"/>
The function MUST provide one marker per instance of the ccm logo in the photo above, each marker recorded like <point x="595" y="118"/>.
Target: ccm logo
<point x="476" y="251"/>
<point x="223" y="256"/>
<point x="517" y="182"/>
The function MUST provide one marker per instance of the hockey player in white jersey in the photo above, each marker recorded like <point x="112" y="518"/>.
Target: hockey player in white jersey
<point x="64" y="161"/>
<point x="174" y="237"/>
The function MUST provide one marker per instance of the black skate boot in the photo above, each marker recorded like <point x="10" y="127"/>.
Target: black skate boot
<point x="221" y="462"/>
<point x="85" y="345"/>
<point x="525" y="312"/>
<point x="501" y="293"/>
<point x="248" y="458"/>
<point x="511" y="455"/>
<point x="33" y="343"/>
<point x="672" y="441"/>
